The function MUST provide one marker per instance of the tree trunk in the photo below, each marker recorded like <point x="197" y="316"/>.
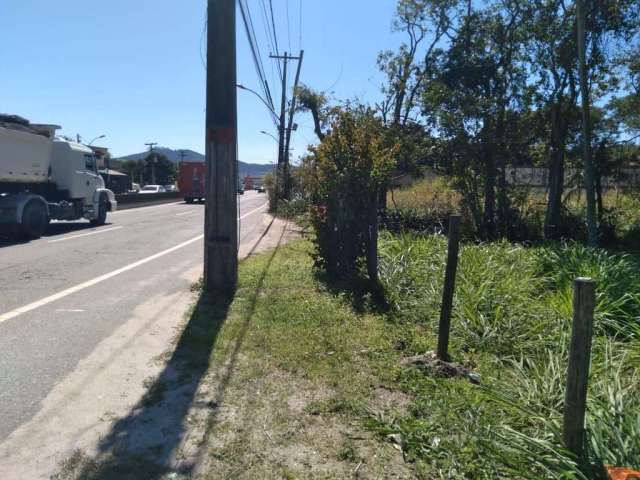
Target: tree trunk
<point x="489" y="191"/>
<point x="503" y="200"/>
<point x="372" y="244"/>
<point x="592" y="225"/>
<point x="556" y="173"/>
<point x="600" y="160"/>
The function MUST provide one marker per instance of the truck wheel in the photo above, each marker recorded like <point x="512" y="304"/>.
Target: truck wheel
<point x="102" y="212"/>
<point x="188" y="200"/>
<point x="34" y="220"/>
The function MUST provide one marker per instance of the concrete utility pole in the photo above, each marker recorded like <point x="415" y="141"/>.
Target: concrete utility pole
<point x="283" y="151"/>
<point x="281" y="123"/>
<point x="287" y="179"/>
<point x="221" y="220"/>
<point x="153" y="161"/>
<point x="182" y="155"/>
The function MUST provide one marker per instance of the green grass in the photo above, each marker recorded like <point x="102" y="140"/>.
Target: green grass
<point x="512" y="320"/>
<point x="289" y="335"/>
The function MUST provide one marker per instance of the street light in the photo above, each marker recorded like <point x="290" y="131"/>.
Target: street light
<point x="97" y="138"/>
<point x="269" y="107"/>
<point x="270" y="135"/>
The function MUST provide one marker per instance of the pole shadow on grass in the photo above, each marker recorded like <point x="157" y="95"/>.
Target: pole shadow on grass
<point x="142" y="444"/>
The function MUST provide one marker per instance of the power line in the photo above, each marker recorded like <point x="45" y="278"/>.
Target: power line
<point x="273" y="25"/>
<point x="255" y="52"/>
<point x="300" y="26"/>
<point x="270" y="34"/>
<point x="288" y="27"/>
<point x="266" y="89"/>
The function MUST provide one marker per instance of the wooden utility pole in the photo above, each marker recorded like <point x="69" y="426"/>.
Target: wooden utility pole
<point x="221" y="220"/>
<point x="592" y="225"/>
<point x="575" y="399"/>
<point x="449" y="287"/>
<point x="287" y="179"/>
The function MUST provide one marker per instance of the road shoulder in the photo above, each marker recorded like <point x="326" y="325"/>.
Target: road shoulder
<point x="105" y="386"/>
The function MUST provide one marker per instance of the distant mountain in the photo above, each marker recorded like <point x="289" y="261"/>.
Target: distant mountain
<point x="252" y="169"/>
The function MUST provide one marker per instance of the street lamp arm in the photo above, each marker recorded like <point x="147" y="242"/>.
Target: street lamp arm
<point x="97" y="138"/>
<point x="270" y="135"/>
<point x="269" y="107"/>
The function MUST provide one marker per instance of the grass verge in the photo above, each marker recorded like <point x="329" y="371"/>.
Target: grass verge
<point x="297" y="380"/>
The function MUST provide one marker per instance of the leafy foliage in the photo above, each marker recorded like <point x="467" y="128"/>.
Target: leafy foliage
<point x="349" y="168"/>
<point x="511" y="324"/>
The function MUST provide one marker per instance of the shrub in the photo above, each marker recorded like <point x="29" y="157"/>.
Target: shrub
<point x="351" y="165"/>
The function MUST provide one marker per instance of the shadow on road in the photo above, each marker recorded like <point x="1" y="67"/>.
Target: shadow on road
<point x="144" y="443"/>
<point x="55" y="229"/>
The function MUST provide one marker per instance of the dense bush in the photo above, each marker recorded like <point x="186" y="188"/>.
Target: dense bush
<point x="350" y="166"/>
<point x="425" y="206"/>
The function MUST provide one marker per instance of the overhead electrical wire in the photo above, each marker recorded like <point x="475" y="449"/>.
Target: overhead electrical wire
<point x="288" y="26"/>
<point x="300" y="26"/>
<point x="270" y="35"/>
<point x="257" y="58"/>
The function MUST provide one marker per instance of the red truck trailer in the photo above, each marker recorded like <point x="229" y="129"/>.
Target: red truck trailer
<point x="191" y="177"/>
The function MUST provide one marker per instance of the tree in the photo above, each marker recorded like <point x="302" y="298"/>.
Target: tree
<point x="165" y="170"/>
<point x="315" y="103"/>
<point x="478" y="85"/>
<point x="426" y="24"/>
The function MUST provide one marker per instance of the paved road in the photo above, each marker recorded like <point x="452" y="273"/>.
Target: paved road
<point x="62" y="294"/>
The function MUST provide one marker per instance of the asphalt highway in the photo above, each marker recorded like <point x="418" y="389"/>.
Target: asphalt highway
<point x="64" y="293"/>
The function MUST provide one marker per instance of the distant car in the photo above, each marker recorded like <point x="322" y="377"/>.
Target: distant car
<point x="135" y="188"/>
<point x="260" y="189"/>
<point x="240" y="190"/>
<point x="171" y="188"/>
<point x="153" y="189"/>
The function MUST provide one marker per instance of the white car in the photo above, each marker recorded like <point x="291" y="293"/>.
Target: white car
<point x="153" y="189"/>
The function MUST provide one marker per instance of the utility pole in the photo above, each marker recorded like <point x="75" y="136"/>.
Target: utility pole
<point x="153" y="161"/>
<point x="182" y="155"/>
<point x="283" y="152"/>
<point x="281" y="123"/>
<point x="221" y="221"/>
<point x="287" y="175"/>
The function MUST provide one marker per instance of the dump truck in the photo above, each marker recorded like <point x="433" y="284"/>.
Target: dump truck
<point x="191" y="181"/>
<point x="44" y="177"/>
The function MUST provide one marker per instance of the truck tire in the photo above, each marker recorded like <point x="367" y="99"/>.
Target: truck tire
<point x="34" y="220"/>
<point x="102" y="212"/>
<point x="188" y="200"/>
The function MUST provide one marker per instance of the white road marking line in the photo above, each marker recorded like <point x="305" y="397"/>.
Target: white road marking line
<point x="85" y="234"/>
<point x="82" y="286"/>
<point x="69" y="310"/>
<point x="185" y="213"/>
<point x="253" y="211"/>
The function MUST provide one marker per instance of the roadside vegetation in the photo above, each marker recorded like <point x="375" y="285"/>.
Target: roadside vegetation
<point x="512" y="324"/>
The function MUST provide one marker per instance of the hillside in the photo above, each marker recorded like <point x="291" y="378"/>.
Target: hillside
<point x="253" y="169"/>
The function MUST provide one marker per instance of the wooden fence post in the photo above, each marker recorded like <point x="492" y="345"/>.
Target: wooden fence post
<point x="449" y="287"/>
<point x="575" y="399"/>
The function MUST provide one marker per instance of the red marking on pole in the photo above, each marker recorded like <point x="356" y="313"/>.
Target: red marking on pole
<point x="225" y="136"/>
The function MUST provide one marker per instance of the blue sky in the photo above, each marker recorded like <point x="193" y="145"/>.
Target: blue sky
<point x="133" y="70"/>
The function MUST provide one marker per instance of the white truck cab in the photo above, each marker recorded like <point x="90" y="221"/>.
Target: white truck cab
<point x="43" y="178"/>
